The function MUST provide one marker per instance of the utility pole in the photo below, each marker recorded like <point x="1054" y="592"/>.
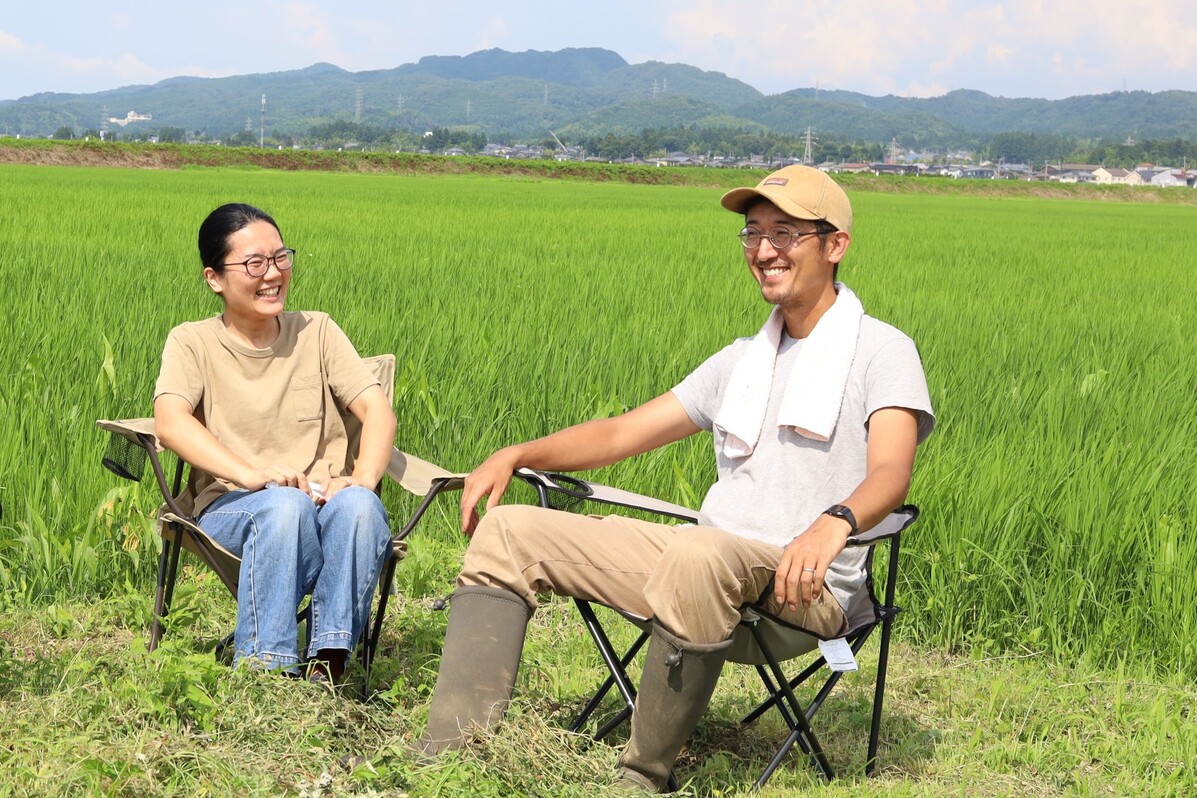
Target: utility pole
<point x="262" y="126"/>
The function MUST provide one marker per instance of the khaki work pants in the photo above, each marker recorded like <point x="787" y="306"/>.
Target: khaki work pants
<point x="691" y="579"/>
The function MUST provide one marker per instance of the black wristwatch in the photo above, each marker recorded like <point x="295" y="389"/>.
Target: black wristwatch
<point x="840" y="511"/>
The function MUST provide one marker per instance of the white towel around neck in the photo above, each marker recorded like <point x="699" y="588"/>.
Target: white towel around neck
<point x="813" y="393"/>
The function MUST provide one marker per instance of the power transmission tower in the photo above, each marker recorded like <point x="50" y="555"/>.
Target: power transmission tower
<point x="357" y="105"/>
<point x="808" y="156"/>
<point x="399" y="104"/>
<point x="262" y="126"/>
<point x="546" y="94"/>
<point x="655" y="88"/>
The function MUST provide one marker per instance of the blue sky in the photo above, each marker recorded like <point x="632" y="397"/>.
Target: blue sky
<point x="914" y="48"/>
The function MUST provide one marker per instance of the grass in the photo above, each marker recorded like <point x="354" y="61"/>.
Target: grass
<point x="1056" y="545"/>
<point x="84" y="710"/>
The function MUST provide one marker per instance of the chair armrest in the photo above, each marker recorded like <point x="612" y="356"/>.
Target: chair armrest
<point x="133" y="429"/>
<point x="130" y="443"/>
<point x="580" y="489"/>
<point x="420" y="476"/>
<point x="140" y="432"/>
<point x="889" y="527"/>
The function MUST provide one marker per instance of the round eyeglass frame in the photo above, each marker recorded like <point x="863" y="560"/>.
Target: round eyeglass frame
<point x="781" y="240"/>
<point x="282" y="260"/>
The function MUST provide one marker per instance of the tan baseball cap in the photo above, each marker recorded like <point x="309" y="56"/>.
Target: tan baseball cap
<point x="802" y="192"/>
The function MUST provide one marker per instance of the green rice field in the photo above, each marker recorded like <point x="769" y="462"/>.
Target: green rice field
<point x="1059" y="339"/>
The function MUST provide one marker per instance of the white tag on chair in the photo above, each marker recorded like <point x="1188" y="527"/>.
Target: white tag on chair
<point x="838" y="654"/>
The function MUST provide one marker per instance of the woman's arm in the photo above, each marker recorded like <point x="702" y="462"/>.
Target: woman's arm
<point x="181" y="432"/>
<point x="374" y="412"/>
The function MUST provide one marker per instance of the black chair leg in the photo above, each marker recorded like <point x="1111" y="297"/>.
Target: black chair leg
<point x="879" y="695"/>
<point x="801" y="732"/>
<point x="168" y="566"/>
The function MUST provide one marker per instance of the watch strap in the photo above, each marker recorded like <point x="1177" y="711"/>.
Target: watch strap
<point x="842" y="511"/>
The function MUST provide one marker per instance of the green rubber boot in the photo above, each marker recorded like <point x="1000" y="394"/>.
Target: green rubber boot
<point x="479" y="662"/>
<point x="678" y="680"/>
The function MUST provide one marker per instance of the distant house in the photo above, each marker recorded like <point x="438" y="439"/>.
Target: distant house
<point x="1169" y="178"/>
<point x="1076" y="176"/>
<point x="978" y="173"/>
<point x="1071" y="172"/>
<point x="455" y="151"/>
<point x="1015" y="171"/>
<point x="1105" y="177"/>
<point x="893" y="169"/>
<point x="679" y="159"/>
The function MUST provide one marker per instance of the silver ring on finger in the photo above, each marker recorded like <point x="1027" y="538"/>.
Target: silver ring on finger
<point x="808" y="570"/>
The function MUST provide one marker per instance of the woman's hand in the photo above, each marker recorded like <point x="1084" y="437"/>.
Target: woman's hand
<point x="337" y="485"/>
<point x="280" y="475"/>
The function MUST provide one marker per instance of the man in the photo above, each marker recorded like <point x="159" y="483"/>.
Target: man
<point x="815" y="421"/>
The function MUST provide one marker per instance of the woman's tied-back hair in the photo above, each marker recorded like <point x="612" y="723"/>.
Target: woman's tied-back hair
<point x="223" y="222"/>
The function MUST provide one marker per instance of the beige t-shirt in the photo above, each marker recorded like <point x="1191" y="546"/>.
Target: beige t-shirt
<point x="283" y="404"/>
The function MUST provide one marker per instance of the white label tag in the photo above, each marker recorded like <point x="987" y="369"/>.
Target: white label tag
<point x="838" y="654"/>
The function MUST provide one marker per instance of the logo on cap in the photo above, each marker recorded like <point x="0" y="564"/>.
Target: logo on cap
<point x="775" y="181"/>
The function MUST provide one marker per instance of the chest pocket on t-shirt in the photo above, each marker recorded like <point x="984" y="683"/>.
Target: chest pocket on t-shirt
<point x="307" y="396"/>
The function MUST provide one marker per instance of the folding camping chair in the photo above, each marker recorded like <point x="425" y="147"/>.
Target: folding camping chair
<point x="133" y="442"/>
<point x="761" y="639"/>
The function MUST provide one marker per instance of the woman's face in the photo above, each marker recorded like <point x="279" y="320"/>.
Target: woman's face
<point x="249" y="298"/>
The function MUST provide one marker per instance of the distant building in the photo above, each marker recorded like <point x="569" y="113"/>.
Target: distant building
<point x="130" y="117"/>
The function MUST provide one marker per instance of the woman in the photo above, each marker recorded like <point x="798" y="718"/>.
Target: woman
<point x="252" y="399"/>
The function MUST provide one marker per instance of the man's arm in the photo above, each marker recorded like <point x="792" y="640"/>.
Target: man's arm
<point x="592" y="444"/>
<point x="893" y="436"/>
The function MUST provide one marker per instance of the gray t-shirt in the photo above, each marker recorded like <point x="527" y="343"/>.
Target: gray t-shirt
<point x="779" y="490"/>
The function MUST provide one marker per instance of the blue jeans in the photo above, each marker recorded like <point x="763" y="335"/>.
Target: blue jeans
<point x="289" y="548"/>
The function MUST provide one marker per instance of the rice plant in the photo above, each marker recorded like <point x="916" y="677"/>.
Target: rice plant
<point x="1057" y="335"/>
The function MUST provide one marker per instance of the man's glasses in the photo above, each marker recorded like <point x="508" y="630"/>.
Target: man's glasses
<point x="258" y="265"/>
<point x="780" y="239"/>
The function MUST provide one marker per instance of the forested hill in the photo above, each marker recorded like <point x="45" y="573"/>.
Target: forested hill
<point x="586" y="92"/>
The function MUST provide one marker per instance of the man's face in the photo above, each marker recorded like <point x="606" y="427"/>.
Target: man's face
<point x="797" y="274"/>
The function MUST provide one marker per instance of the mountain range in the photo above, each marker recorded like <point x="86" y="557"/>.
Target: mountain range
<point x="587" y="91"/>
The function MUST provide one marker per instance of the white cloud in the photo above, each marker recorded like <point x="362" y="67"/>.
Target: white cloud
<point x="996" y="54"/>
<point x="917" y="89"/>
<point x="306" y="29"/>
<point x="10" y="45"/>
<point x="1014" y="47"/>
<point x="494" y="33"/>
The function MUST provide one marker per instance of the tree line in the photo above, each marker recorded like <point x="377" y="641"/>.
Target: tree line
<point x="1036" y="149"/>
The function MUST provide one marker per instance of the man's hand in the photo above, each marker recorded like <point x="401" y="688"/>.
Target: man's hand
<point x="799" y="577"/>
<point x="489" y="479"/>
